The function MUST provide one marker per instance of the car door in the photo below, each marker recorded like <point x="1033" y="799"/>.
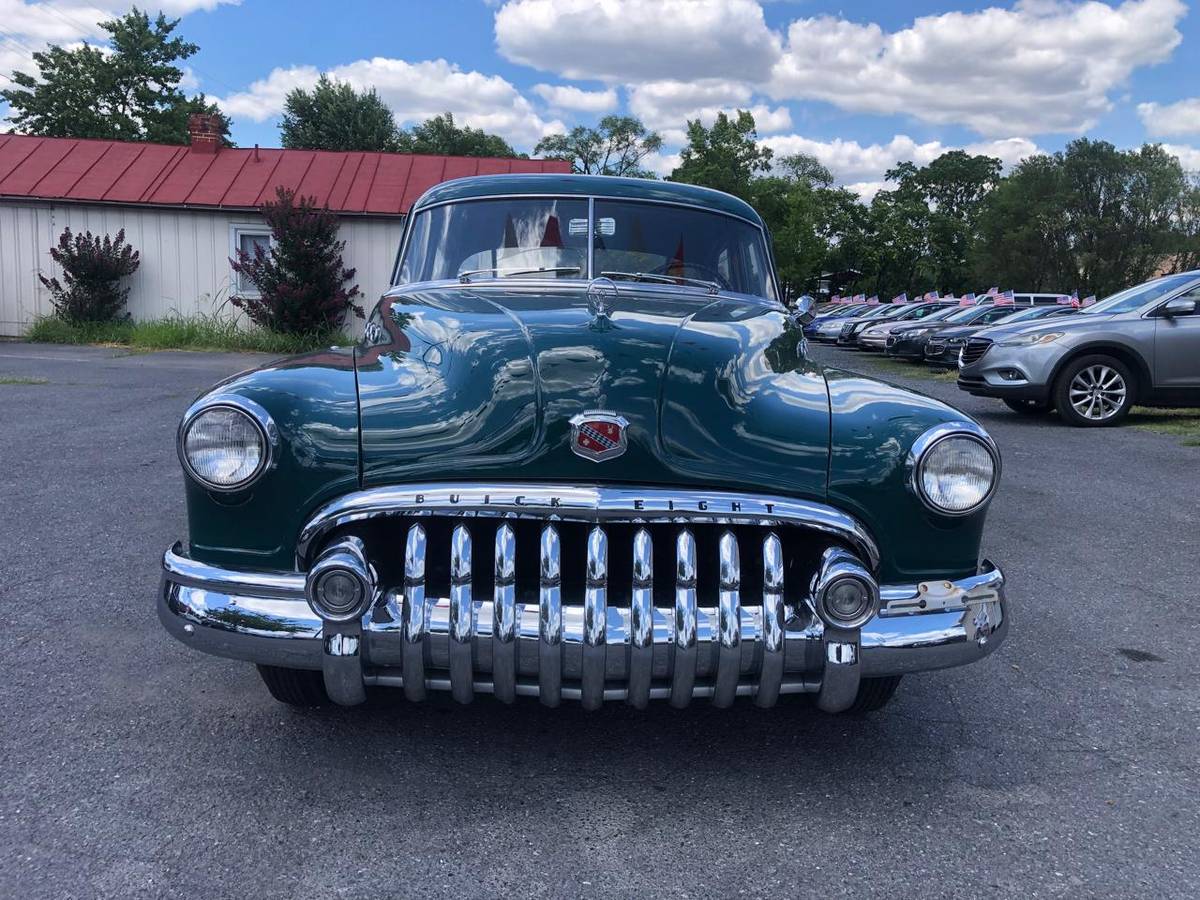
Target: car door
<point x="1177" y="347"/>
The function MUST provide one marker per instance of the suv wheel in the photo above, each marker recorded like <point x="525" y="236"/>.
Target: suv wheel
<point x="1094" y="391"/>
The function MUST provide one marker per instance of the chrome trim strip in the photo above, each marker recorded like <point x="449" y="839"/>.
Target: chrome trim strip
<point x="181" y="569"/>
<point x="729" y="622"/>
<point x="595" y="620"/>
<point x="504" y="615"/>
<point x="641" y="621"/>
<point x="582" y="503"/>
<point x="415" y="614"/>
<point x="550" y="619"/>
<point x="462" y="616"/>
<point x="683" y="664"/>
<point x="770" y="676"/>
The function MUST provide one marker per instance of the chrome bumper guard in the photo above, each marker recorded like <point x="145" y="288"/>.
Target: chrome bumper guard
<point x="554" y="649"/>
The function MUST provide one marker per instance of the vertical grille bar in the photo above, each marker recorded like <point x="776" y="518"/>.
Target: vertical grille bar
<point x="462" y="616"/>
<point x="415" y="621"/>
<point x="683" y="677"/>
<point x="550" y="619"/>
<point x="771" y="674"/>
<point x="595" y="620"/>
<point x="504" y="616"/>
<point x="729" y="622"/>
<point x="641" y="620"/>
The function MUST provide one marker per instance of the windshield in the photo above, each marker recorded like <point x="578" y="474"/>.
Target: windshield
<point x="1136" y="297"/>
<point x="536" y="237"/>
<point x="1038" y="312"/>
<point x="942" y="314"/>
<point x="678" y="242"/>
<point x="966" y="314"/>
<point x="927" y="311"/>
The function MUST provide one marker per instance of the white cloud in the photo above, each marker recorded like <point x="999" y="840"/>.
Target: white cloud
<point x="31" y="27"/>
<point x="566" y="97"/>
<point x="666" y="106"/>
<point x="414" y="91"/>
<point x="638" y="40"/>
<point x="1189" y="157"/>
<point x="861" y="168"/>
<point x="1041" y="66"/>
<point x="1174" y="118"/>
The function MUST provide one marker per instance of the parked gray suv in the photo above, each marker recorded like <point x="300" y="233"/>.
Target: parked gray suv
<point x="1139" y="346"/>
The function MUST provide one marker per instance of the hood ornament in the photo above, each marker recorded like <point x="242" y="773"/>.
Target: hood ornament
<point x="598" y="434"/>
<point x="602" y="300"/>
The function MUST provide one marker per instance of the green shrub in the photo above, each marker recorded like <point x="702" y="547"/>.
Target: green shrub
<point x="92" y="271"/>
<point x="178" y="332"/>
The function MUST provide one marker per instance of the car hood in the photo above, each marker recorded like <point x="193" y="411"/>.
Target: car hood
<point x="1083" y="322"/>
<point x="957" y="331"/>
<point x="470" y="382"/>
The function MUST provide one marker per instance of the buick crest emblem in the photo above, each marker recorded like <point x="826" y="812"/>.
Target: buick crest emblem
<point x="602" y="299"/>
<point x="598" y="435"/>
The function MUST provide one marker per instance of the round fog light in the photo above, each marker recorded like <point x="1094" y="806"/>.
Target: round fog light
<point x="339" y="593"/>
<point x="847" y="599"/>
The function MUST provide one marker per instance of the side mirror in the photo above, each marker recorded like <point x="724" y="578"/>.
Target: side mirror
<point x="804" y="309"/>
<point x="1180" y="306"/>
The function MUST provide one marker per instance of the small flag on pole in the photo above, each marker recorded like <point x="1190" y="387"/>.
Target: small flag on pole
<point x="901" y="298"/>
<point x="1089" y="300"/>
<point x="1005" y="299"/>
<point x="873" y="300"/>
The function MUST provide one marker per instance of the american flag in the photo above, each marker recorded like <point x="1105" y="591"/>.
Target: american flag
<point x="1089" y="300"/>
<point x="901" y="298"/>
<point x="1005" y="299"/>
<point x="873" y="300"/>
<point x="970" y="297"/>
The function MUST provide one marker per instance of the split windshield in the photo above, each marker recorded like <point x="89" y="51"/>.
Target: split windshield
<point x="537" y="238"/>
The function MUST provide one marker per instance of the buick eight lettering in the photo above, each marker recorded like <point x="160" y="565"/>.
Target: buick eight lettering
<point x="581" y="453"/>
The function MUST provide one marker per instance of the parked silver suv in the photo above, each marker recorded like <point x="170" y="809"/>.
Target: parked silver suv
<point x="1139" y="346"/>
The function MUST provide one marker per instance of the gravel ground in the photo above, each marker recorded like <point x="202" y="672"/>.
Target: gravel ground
<point x="1064" y="765"/>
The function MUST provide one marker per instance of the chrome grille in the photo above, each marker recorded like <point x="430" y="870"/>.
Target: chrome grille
<point x="974" y="349"/>
<point x="677" y="620"/>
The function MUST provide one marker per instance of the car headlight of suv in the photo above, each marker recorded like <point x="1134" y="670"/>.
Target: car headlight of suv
<point x="954" y="468"/>
<point x="1029" y="340"/>
<point x="226" y="443"/>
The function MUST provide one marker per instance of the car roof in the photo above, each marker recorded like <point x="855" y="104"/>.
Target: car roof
<point x="552" y="184"/>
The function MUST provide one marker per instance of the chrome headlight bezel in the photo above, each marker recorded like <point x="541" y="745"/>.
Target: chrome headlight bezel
<point x="931" y="438"/>
<point x="259" y="418"/>
<point x="1031" y="339"/>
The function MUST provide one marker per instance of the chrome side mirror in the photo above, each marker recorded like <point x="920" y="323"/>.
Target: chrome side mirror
<point x="804" y="309"/>
<point x="1180" y="306"/>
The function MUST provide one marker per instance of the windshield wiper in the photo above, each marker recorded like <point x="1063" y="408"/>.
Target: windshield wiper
<point x="465" y="277"/>
<point x="711" y="286"/>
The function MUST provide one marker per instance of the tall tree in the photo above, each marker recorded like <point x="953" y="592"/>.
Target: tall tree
<point x="334" y="116"/>
<point x="616" y="146"/>
<point x="441" y="136"/>
<point x="793" y="201"/>
<point x="129" y="92"/>
<point x="726" y="156"/>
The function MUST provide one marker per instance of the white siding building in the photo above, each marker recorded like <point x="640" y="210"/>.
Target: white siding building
<point x="186" y="210"/>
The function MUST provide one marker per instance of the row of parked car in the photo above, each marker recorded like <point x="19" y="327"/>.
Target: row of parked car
<point x="1141" y="345"/>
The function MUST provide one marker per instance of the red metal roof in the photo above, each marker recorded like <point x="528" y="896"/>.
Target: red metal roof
<point x="237" y="178"/>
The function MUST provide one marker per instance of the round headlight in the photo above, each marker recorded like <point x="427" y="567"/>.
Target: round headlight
<point x="223" y="447"/>
<point x="955" y="473"/>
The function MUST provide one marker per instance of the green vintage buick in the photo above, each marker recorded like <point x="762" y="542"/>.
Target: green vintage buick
<point x="580" y="453"/>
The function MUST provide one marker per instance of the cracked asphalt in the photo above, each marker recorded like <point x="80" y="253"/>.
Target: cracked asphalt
<point x="1064" y="765"/>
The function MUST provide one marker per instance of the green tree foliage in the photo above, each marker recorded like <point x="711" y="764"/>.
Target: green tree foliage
<point x="1090" y="218"/>
<point x="616" y="146"/>
<point x="334" y="116"/>
<point x="441" y="136"/>
<point x="92" y="270"/>
<point x="726" y="156"/>
<point x="301" y="279"/>
<point x="130" y="93"/>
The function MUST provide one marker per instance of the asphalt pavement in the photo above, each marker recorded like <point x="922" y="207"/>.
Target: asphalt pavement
<point x="1064" y="765"/>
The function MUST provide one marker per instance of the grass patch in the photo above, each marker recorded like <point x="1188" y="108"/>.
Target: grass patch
<point x="1182" y="423"/>
<point x="903" y="368"/>
<point x="22" y="379"/>
<point x="179" y="333"/>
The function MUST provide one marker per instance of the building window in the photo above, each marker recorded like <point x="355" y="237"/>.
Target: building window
<point x="246" y="238"/>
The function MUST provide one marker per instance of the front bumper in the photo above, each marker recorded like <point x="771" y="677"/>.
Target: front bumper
<point x="1017" y="373"/>
<point x="942" y="352"/>
<point x="766" y="651"/>
<point x="901" y="347"/>
<point x="874" y="342"/>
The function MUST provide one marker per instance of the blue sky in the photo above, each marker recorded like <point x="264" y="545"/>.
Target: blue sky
<point x="859" y="85"/>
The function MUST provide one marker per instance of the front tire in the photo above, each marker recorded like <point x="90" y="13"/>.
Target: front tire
<point x="1094" y="392"/>
<point x="295" y="687"/>
<point x="873" y="694"/>
<point x="1028" y="407"/>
